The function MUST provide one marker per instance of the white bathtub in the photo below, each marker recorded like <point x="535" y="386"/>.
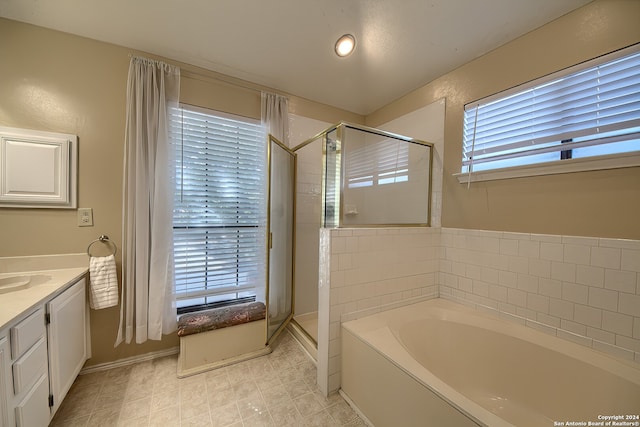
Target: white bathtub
<point x="438" y="363"/>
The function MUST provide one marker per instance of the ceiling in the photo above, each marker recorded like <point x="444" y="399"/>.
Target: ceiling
<point x="288" y="44"/>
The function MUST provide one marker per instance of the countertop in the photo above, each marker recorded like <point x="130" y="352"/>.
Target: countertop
<point x="44" y="285"/>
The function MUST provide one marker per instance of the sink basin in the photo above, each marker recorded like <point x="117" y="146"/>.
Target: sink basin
<point x="14" y="283"/>
<point x="10" y="282"/>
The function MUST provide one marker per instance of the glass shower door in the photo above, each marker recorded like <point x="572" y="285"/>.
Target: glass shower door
<point x="281" y="223"/>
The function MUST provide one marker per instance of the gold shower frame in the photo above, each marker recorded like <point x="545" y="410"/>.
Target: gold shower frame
<point x="340" y="131"/>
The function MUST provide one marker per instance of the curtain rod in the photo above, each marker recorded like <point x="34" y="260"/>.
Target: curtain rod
<point x="203" y="76"/>
<point x="185" y="69"/>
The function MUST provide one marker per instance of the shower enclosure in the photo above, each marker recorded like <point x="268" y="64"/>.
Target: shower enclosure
<point x="346" y="176"/>
<point x="352" y="176"/>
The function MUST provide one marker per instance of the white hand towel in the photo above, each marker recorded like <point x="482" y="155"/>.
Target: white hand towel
<point x="103" y="290"/>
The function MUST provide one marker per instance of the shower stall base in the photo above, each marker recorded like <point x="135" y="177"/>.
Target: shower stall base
<point x="304" y="328"/>
<point x="309" y="322"/>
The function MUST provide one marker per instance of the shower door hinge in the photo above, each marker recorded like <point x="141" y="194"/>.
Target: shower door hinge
<point x="51" y="400"/>
<point x="270" y="240"/>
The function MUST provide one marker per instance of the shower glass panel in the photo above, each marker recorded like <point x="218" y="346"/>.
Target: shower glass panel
<point x="308" y="223"/>
<point x="376" y="178"/>
<point x="387" y="180"/>
<point x="280" y="271"/>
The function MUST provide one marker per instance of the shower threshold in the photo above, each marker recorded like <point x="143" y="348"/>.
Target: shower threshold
<point x="304" y="328"/>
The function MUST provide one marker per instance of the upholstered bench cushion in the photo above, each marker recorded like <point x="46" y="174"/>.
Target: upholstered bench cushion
<point x="219" y="318"/>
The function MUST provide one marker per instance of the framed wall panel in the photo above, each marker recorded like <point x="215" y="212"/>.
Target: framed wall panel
<point x="37" y="169"/>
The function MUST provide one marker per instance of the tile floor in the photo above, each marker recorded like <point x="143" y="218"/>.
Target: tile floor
<point x="274" y="390"/>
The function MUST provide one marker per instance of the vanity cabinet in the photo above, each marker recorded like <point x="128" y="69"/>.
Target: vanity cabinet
<point x="29" y="370"/>
<point x="67" y="340"/>
<point x="6" y="416"/>
<point x="40" y="356"/>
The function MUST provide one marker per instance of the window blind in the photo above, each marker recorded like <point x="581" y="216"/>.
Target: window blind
<point x="381" y="162"/>
<point x="593" y="104"/>
<point x="219" y="218"/>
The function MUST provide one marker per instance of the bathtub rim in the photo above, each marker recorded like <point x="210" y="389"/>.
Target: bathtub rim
<point x="377" y="331"/>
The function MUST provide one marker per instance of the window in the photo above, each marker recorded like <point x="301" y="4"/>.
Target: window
<point x="219" y="217"/>
<point x="582" y="113"/>
<point x="378" y="163"/>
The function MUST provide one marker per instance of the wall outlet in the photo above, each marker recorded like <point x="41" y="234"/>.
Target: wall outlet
<point x="85" y="217"/>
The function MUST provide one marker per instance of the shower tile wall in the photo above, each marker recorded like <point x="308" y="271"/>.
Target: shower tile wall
<point x="586" y="290"/>
<point x="370" y="270"/>
<point x="308" y="210"/>
<point x="308" y="216"/>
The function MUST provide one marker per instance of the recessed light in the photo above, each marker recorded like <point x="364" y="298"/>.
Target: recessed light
<point x="345" y="45"/>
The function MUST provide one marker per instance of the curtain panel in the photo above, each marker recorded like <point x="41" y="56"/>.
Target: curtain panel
<point x="148" y="303"/>
<point x="275" y="119"/>
<point x="275" y="116"/>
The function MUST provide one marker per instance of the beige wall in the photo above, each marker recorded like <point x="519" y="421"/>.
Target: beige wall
<point x="57" y="82"/>
<point x="600" y="203"/>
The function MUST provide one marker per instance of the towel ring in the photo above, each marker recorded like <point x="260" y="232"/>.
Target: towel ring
<point x="104" y="239"/>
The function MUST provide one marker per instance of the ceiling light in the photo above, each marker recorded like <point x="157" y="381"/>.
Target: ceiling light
<point x="345" y="45"/>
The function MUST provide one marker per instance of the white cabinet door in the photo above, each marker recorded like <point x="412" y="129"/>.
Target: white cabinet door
<point x="67" y="340"/>
<point x="6" y="413"/>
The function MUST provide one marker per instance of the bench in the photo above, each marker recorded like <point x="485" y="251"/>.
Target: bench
<point x="221" y="336"/>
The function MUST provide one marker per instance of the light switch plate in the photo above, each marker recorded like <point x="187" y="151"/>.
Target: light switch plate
<point x="85" y="217"/>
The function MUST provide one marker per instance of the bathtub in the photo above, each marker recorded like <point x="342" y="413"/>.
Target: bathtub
<point x="438" y="363"/>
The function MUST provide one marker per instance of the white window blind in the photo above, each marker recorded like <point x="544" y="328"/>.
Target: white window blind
<point x="378" y="163"/>
<point x="219" y="217"/>
<point x="589" y="110"/>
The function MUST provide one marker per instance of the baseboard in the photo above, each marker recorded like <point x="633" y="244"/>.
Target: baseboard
<point x="130" y="360"/>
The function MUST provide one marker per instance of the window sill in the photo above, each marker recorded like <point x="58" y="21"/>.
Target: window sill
<point x="613" y="161"/>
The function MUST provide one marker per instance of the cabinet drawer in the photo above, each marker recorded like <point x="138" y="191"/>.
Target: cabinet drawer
<point x="29" y="367"/>
<point x="27" y="333"/>
<point x="33" y="411"/>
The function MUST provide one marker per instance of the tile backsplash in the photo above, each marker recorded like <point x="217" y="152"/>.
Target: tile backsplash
<point x="42" y="262"/>
<point x="582" y="289"/>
